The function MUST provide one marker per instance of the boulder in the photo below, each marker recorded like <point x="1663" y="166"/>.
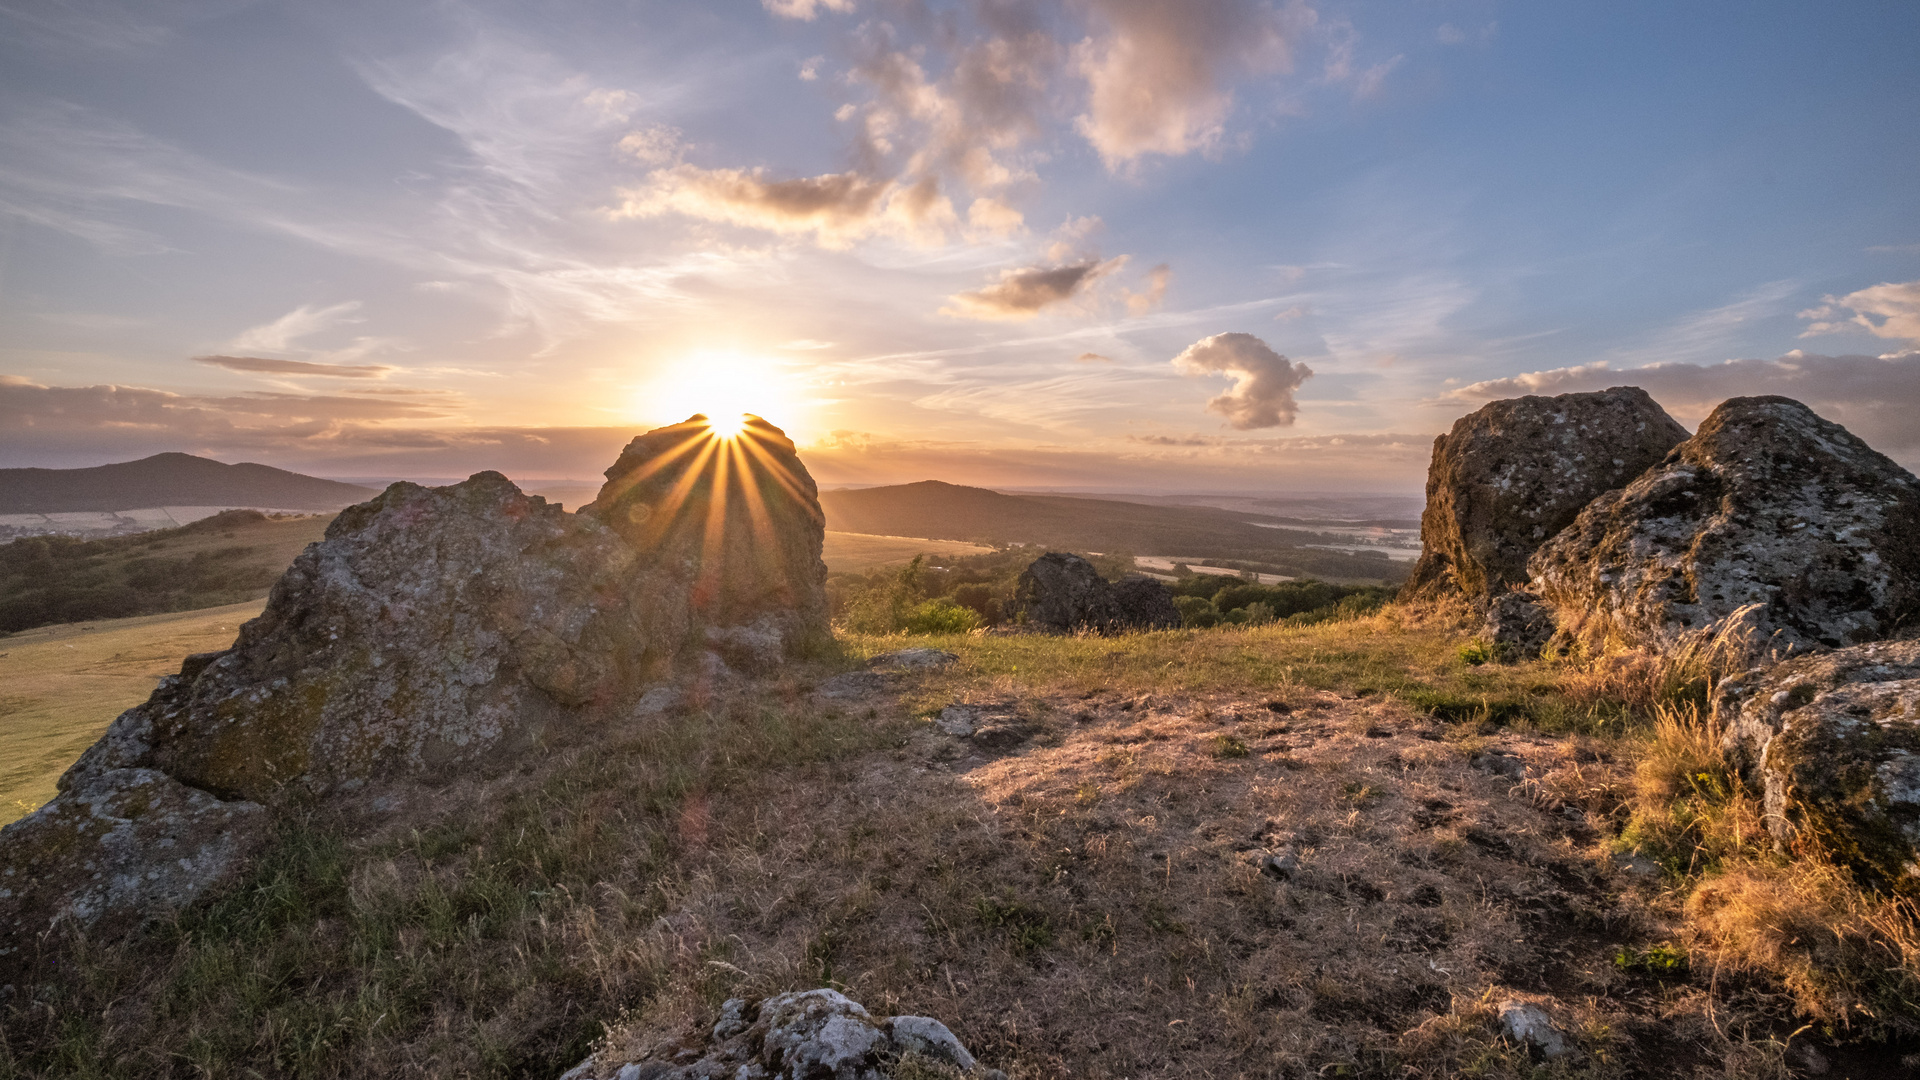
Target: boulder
<point x="1514" y="473"/>
<point x="1769" y="522"/>
<point x="120" y="843"/>
<point x="1064" y="593"/>
<point x="807" y="1035"/>
<point x="741" y="516"/>
<point x="432" y="628"/>
<point x="1832" y="740"/>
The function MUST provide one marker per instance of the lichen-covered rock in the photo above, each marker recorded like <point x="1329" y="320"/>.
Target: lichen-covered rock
<point x="433" y="627"/>
<point x="1768" y="512"/>
<point x="1141" y="603"/>
<point x="1518" y="625"/>
<point x="741" y="517"/>
<point x="1832" y="739"/>
<point x="1515" y="472"/>
<point x="806" y="1035"/>
<point x="118" y="845"/>
<point x="1064" y="593"/>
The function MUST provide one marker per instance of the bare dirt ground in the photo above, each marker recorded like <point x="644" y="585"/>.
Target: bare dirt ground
<point x="1102" y="884"/>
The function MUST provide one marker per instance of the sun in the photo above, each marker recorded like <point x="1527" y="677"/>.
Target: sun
<point x="725" y="387"/>
<point x="727" y="425"/>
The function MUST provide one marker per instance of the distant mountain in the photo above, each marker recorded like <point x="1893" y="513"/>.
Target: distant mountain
<point x="170" y="480"/>
<point x="942" y="511"/>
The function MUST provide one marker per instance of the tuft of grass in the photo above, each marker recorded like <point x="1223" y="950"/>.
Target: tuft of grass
<point x="1226" y="746"/>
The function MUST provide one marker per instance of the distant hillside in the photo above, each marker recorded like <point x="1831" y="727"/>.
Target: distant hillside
<point x="224" y="559"/>
<point x="945" y="511"/>
<point x="170" y="480"/>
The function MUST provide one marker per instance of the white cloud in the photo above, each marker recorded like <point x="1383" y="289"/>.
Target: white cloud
<point x="1895" y="306"/>
<point x="280" y="334"/>
<point x="1264" y="381"/>
<point x="1160" y="75"/>
<point x="1139" y="303"/>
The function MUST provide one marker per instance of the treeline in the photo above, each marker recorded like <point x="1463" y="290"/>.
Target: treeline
<point x="61" y="579"/>
<point x="969" y="592"/>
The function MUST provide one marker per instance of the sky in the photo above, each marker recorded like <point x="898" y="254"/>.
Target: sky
<point x="1104" y="245"/>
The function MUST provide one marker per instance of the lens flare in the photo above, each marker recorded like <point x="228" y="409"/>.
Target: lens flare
<point x="725" y="388"/>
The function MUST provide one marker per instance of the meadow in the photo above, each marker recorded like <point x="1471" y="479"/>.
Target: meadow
<point x="1279" y="850"/>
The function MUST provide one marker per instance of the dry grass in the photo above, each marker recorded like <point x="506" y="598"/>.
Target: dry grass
<point x="60" y="686"/>
<point x="1092" y="900"/>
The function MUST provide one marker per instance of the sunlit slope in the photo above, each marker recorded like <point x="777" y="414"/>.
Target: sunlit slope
<point x="847" y="552"/>
<point x="60" y="686"/>
<point x="1070" y="523"/>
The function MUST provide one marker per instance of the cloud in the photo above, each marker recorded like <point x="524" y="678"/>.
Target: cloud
<point x="295" y="367"/>
<point x="656" y="145"/>
<point x="1262" y="394"/>
<point x="1139" y="303"/>
<point x="805" y="10"/>
<point x="1092" y="358"/>
<point x="298" y="323"/>
<point x="1896" y="306"/>
<point x="1023" y="293"/>
<point x="1159" y="75"/>
<point x="1876" y="397"/>
<point x="836" y="208"/>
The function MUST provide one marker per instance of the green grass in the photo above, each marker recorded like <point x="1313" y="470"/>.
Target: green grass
<point x="1358" y="657"/>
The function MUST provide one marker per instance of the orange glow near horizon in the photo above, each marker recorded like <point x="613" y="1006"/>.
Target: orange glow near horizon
<point x="726" y="387"/>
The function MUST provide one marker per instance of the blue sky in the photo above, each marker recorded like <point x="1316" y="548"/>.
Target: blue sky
<point x="1219" y="245"/>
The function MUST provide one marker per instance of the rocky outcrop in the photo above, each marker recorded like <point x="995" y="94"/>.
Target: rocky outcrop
<point x="1768" y="511"/>
<point x="742" y="517"/>
<point x="432" y="630"/>
<point x="1064" y="593"/>
<point x="1514" y="473"/>
<point x="1518" y="625"/>
<point x="1833" y="741"/>
<point x="118" y="844"/>
<point x="808" y="1035"/>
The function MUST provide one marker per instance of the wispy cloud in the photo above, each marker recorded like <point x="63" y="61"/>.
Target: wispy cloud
<point x="1888" y="310"/>
<point x="1025" y="292"/>
<point x="264" y="365"/>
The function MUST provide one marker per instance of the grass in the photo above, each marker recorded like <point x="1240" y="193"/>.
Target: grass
<point x="1261" y="851"/>
<point x="60" y="686"/>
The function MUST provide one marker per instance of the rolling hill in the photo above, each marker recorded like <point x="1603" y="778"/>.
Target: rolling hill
<point x="940" y="510"/>
<point x="170" y="480"/>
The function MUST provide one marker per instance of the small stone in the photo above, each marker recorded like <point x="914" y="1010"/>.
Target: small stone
<point x="1279" y="865"/>
<point x="930" y="1038"/>
<point x="1529" y="1025"/>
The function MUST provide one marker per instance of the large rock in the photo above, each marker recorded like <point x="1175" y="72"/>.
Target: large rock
<point x="1064" y="593"/>
<point x="1832" y="739"/>
<point x="120" y="843"/>
<point x="807" y="1035"/>
<point x="742" y="517"/>
<point x="432" y="630"/>
<point x="1512" y="474"/>
<point x="1769" y="513"/>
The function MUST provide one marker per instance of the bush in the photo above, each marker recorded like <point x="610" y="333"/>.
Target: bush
<point x="941" y="616"/>
<point x="1196" y="611"/>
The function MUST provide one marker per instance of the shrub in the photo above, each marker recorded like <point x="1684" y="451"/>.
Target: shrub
<point x="1196" y="611"/>
<point x="941" y="616"/>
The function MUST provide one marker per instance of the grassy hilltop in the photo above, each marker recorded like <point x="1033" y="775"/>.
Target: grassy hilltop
<point x="1092" y="897"/>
